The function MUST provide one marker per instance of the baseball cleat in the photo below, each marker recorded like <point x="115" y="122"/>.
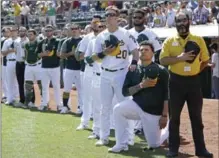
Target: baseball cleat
<point x="82" y="127"/>
<point x="131" y="142"/>
<point x="4" y="99"/>
<point x="10" y="103"/>
<point x="118" y="148"/>
<point x="79" y="111"/>
<point x="64" y="110"/>
<point x="43" y="108"/>
<point x="31" y="105"/>
<point x="59" y="108"/>
<point x="18" y="105"/>
<point x="93" y="136"/>
<point x="102" y="142"/>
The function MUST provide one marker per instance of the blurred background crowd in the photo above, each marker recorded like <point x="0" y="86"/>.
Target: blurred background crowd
<point x="36" y="14"/>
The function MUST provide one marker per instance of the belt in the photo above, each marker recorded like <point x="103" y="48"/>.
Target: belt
<point x="20" y="62"/>
<point x="34" y="64"/>
<point x="96" y="73"/>
<point x="112" y="70"/>
<point x="11" y="59"/>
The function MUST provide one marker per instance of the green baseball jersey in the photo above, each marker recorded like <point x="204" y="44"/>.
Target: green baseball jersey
<point x="50" y="46"/>
<point x="67" y="46"/>
<point x="31" y="55"/>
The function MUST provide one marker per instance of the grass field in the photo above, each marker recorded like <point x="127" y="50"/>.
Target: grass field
<point x="33" y="134"/>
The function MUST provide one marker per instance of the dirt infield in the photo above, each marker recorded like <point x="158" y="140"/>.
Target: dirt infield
<point x="210" y="119"/>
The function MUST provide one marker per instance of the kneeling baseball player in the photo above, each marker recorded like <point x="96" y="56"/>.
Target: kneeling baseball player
<point x="148" y="85"/>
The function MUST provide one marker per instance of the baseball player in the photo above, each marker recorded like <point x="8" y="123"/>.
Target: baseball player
<point x="8" y="50"/>
<point x="95" y="85"/>
<point x="148" y="85"/>
<point x="50" y="68"/>
<point x="113" y="46"/>
<point x="62" y="61"/>
<point x="88" y="74"/>
<point x="6" y="33"/>
<point x="141" y="33"/>
<point x="32" y="70"/>
<point x="72" y="70"/>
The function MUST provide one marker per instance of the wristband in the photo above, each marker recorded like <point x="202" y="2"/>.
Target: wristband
<point x="101" y="55"/>
<point x="89" y="60"/>
<point x="134" y="62"/>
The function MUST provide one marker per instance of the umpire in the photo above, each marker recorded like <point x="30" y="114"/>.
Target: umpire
<point x="186" y="55"/>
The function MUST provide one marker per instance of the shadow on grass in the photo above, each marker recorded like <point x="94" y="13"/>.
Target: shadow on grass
<point x="50" y="111"/>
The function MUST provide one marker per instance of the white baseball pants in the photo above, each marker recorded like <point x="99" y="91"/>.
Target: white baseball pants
<point x="87" y="95"/>
<point x="111" y="84"/>
<point x="96" y="103"/>
<point x="12" y="84"/>
<point x="70" y="77"/>
<point x="32" y="73"/>
<point x="129" y="110"/>
<point x="51" y="74"/>
<point x="4" y="82"/>
<point x="82" y="77"/>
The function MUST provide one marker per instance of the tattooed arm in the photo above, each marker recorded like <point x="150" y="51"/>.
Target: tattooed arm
<point x="131" y="85"/>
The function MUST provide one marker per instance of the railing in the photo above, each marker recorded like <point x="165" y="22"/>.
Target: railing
<point x="61" y="19"/>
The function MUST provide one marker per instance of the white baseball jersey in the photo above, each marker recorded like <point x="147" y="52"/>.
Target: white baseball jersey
<point x="127" y="45"/>
<point x="6" y="46"/>
<point x="151" y="36"/>
<point x="89" y="52"/>
<point x="84" y="42"/>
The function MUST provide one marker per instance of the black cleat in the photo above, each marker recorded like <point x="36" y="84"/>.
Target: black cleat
<point x="204" y="153"/>
<point x="171" y="154"/>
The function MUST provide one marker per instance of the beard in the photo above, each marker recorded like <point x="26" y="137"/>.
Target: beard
<point x="138" y="24"/>
<point x="182" y="29"/>
<point x="95" y="30"/>
<point x="22" y="35"/>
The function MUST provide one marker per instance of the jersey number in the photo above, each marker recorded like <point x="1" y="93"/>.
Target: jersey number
<point x="123" y="54"/>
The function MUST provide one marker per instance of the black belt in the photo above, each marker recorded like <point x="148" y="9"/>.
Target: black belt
<point x="112" y="70"/>
<point x="33" y="64"/>
<point x="11" y="59"/>
<point x="98" y="74"/>
<point x="21" y="62"/>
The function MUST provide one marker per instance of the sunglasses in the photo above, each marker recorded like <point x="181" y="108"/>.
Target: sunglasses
<point x="137" y="17"/>
<point x="75" y="28"/>
<point x="101" y="26"/>
<point x="48" y="30"/>
<point x="110" y="15"/>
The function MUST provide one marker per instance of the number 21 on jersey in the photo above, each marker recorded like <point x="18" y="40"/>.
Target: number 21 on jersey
<point x="122" y="55"/>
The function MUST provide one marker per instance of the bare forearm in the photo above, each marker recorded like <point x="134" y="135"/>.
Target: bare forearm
<point x="165" y="108"/>
<point x="203" y="65"/>
<point x="169" y="60"/>
<point x="134" y="89"/>
<point x="5" y="53"/>
<point x="135" y="55"/>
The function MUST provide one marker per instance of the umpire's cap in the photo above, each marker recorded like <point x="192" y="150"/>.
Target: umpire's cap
<point x="113" y="41"/>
